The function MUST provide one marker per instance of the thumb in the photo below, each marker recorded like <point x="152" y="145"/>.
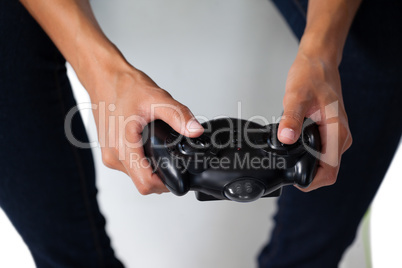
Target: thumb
<point x="180" y="118"/>
<point x="291" y="123"/>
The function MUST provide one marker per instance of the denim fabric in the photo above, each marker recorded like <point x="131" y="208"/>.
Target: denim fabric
<point x="47" y="186"/>
<point x="312" y="230"/>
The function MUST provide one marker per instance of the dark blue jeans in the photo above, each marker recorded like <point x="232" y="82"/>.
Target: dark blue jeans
<point x="47" y="186"/>
<point x="312" y="230"/>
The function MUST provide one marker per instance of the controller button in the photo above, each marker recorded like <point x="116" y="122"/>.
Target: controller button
<point x="244" y="190"/>
<point x="186" y="148"/>
<point x="307" y="140"/>
<point x="201" y="143"/>
<point x="193" y="146"/>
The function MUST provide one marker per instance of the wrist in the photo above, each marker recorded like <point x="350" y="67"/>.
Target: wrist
<point x="318" y="46"/>
<point x="99" y="63"/>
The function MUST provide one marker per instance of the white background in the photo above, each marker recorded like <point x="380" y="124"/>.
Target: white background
<point x="209" y="55"/>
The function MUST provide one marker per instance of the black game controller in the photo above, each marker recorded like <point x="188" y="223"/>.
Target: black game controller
<point x="233" y="159"/>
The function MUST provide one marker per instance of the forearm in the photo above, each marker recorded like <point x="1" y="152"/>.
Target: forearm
<point x="130" y="95"/>
<point x="73" y="28"/>
<point x="328" y="24"/>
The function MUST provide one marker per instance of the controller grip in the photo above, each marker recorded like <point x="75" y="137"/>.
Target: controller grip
<point x="166" y="166"/>
<point x="306" y="168"/>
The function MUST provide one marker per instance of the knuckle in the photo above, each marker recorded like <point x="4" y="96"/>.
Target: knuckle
<point x="350" y="140"/>
<point x="157" y="95"/>
<point x="145" y="189"/>
<point x="343" y="130"/>
<point x="181" y="111"/>
<point x="293" y="116"/>
<point x="164" y="93"/>
<point x="346" y="136"/>
<point x="132" y="129"/>
<point x="330" y="179"/>
<point x="108" y="159"/>
<point x="305" y="190"/>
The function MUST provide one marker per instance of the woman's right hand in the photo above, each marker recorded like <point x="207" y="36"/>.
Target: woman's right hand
<point x="130" y="99"/>
<point x="127" y="99"/>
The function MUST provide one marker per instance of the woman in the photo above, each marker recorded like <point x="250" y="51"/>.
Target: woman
<point x="49" y="193"/>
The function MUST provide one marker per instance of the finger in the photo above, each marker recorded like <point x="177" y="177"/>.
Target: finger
<point x="140" y="171"/>
<point x="292" y="119"/>
<point x="139" y="168"/>
<point x="326" y="175"/>
<point x="180" y="118"/>
<point x="146" y="182"/>
<point x="330" y="157"/>
<point x="129" y="151"/>
<point x="110" y="159"/>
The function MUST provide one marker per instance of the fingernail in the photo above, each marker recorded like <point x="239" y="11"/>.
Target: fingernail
<point x="194" y="126"/>
<point x="288" y="133"/>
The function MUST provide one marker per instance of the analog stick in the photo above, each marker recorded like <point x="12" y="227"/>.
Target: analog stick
<point x="194" y="145"/>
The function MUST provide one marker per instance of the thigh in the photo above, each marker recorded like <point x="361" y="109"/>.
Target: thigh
<point x="47" y="186"/>
<point x="314" y="229"/>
